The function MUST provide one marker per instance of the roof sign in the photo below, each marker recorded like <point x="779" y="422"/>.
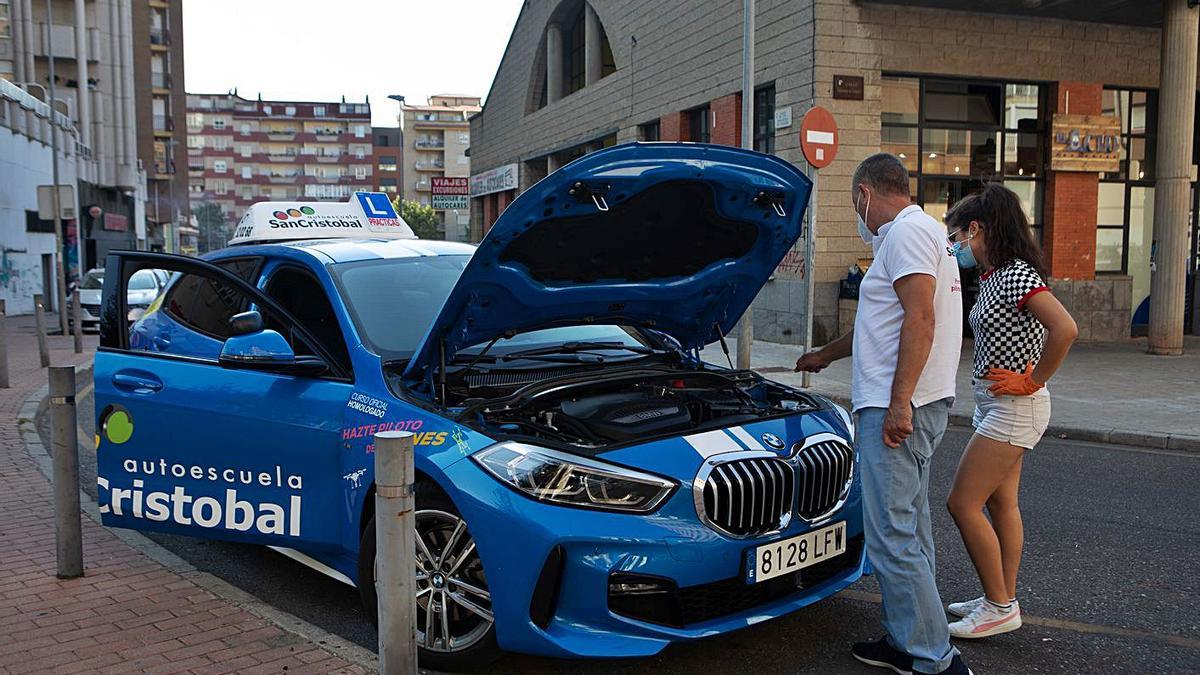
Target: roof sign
<point x="367" y="215"/>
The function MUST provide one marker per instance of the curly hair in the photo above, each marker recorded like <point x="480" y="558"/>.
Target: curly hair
<point x="1006" y="231"/>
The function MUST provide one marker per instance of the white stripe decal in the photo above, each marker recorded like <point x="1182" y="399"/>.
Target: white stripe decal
<point x="712" y="443"/>
<point x="745" y="437"/>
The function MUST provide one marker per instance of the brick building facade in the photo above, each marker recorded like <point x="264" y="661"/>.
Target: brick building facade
<point x="242" y="151"/>
<point x="964" y="97"/>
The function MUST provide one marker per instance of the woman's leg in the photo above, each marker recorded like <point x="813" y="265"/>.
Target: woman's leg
<point x="984" y="466"/>
<point x="1006" y="521"/>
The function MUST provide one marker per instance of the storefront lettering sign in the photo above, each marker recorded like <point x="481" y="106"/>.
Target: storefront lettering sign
<point x="494" y="180"/>
<point x="1085" y="143"/>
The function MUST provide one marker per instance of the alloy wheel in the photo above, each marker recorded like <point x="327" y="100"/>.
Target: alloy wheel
<point x="454" y="606"/>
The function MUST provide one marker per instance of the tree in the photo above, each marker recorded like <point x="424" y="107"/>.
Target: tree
<point x="423" y="220"/>
<point x="214" y="229"/>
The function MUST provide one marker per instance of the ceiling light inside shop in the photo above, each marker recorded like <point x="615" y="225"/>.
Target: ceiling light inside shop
<point x="956" y="169"/>
<point x="933" y="155"/>
<point x="903" y="156"/>
<point x="1141" y="174"/>
<point x="1021" y="171"/>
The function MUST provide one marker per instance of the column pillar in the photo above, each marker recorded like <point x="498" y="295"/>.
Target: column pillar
<point x="554" y="63"/>
<point x="84" y="95"/>
<point x="593" y="60"/>
<point x="1172" y="187"/>
<point x="1069" y="239"/>
<point x="18" y="41"/>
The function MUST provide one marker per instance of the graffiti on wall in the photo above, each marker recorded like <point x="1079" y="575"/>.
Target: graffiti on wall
<point x="20" y="277"/>
<point x="792" y="265"/>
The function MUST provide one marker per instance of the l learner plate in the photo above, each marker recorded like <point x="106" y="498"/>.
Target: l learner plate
<point x="788" y="555"/>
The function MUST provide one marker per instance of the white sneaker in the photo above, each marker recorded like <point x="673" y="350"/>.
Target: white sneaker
<point x="961" y="609"/>
<point x="985" y="620"/>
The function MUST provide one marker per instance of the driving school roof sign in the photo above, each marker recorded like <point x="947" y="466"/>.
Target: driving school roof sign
<point x="366" y="215"/>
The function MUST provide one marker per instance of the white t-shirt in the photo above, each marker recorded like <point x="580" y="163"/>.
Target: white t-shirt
<point x="913" y="243"/>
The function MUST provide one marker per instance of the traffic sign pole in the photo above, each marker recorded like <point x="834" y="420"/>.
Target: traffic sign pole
<point x="810" y="243"/>
<point x="819" y="142"/>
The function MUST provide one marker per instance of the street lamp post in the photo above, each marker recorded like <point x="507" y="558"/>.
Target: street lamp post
<point x="58" y="225"/>
<point x="746" y="334"/>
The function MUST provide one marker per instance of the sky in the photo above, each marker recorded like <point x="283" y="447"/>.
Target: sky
<point x="326" y="49"/>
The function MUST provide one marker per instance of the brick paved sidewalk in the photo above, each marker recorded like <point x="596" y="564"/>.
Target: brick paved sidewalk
<point x="128" y="613"/>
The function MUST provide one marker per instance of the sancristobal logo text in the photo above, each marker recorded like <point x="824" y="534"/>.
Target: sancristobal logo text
<point x="244" y="500"/>
<point x="296" y="217"/>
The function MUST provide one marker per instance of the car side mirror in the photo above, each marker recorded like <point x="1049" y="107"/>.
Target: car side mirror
<point x="246" y="323"/>
<point x="266" y="350"/>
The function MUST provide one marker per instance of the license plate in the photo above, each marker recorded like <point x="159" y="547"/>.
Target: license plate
<point x="795" y="553"/>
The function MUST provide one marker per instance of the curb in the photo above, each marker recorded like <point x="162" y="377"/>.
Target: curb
<point x="35" y="405"/>
<point x="1141" y="439"/>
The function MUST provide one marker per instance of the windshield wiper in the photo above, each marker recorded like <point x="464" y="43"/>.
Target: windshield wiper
<point x="580" y="346"/>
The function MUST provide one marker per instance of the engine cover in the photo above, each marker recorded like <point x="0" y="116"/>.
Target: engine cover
<point x="625" y="416"/>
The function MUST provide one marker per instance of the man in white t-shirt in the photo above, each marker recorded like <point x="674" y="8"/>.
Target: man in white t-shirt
<point x="905" y="343"/>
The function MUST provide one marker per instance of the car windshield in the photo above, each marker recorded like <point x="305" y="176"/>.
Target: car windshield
<point x="393" y="302"/>
<point x="93" y="280"/>
<point x="142" y="280"/>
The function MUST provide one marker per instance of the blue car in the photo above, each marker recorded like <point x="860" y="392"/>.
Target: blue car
<point x="587" y="485"/>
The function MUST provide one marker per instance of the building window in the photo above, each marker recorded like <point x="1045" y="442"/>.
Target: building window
<point x="954" y="135"/>
<point x="699" y="129"/>
<point x="1125" y="199"/>
<point x="218" y="123"/>
<point x="650" y="131"/>
<point x="573" y="52"/>
<point x="220" y="166"/>
<point x="360" y="131"/>
<point x="764" y="119"/>
<point x="360" y="172"/>
<point x="289" y="110"/>
<point x="247" y="172"/>
<point x="319" y="111"/>
<point x="388" y="184"/>
<point x="195" y="141"/>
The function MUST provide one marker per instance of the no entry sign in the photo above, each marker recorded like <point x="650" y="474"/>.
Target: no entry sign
<point x="818" y="137"/>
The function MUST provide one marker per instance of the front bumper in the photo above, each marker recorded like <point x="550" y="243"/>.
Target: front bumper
<point x="517" y="536"/>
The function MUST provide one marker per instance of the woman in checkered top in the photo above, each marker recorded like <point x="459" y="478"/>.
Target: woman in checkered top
<point x="1022" y="334"/>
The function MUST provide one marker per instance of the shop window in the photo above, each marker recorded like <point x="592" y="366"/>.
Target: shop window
<point x="650" y="131"/>
<point x="1124" y="228"/>
<point x="955" y="135"/>
<point x="764" y="119"/>
<point x="699" y="129"/>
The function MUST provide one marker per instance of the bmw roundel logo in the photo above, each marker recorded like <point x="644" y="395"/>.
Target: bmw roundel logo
<point x="773" y="441"/>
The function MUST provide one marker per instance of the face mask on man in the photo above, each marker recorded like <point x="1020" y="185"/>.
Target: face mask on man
<point x="863" y="231"/>
<point x="963" y="253"/>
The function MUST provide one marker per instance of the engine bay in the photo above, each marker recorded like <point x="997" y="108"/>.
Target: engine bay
<point x="625" y="407"/>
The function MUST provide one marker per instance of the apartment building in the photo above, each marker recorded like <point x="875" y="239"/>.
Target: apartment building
<point x="436" y="138"/>
<point x="242" y="151"/>
<point x="161" y="106"/>
<point x="388" y="168"/>
<point x="93" y="48"/>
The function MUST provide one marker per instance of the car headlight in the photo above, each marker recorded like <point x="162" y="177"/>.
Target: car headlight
<point x="561" y="478"/>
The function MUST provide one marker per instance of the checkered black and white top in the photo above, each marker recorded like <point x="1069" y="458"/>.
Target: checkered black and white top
<point x="1006" y="334"/>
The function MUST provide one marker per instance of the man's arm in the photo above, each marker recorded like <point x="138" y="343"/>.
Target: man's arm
<point x="816" y="361"/>
<point x="915" y="292"/>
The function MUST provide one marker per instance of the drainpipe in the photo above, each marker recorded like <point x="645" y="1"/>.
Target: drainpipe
<point x="114" y="80"/>
<point x="127" y="90"/>
<point x="27" y="14"/>
<point x="1172" y="187"/>
<point x="81" y="66"/>
<point x="18" y="38"/>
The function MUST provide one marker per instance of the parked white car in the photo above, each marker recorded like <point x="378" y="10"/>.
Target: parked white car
<point x="144" y="287"/>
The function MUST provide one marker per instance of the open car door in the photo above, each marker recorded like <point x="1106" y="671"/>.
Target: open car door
<point x="209" y="425"/>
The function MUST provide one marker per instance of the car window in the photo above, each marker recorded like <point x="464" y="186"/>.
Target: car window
<point x="93" y="280"/>
<point x="394" y="301"/>
<point x="206" y="305"/>
<point x="143" y="280"/>
<point x="302" y="296"/>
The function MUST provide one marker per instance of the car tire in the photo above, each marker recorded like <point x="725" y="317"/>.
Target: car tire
<point x="484" y="651"/>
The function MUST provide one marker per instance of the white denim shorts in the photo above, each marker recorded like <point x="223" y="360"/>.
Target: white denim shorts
<point x="1018" y="420"/>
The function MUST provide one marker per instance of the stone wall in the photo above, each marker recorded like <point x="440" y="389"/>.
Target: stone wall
<point x="1101" y="306"/>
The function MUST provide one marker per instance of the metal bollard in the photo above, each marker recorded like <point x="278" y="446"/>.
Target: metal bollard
<point x="78" y="324"/>
<point x="395" y="553"/>
<point x="68" y="528"/>
<point x="39" y="322"/>
<point x="3" y="350"/>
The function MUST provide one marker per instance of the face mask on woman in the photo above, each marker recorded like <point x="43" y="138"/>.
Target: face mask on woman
<point x="963" y="253"/>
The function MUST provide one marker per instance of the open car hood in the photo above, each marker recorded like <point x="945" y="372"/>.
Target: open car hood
<point x="675" y="237"/>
